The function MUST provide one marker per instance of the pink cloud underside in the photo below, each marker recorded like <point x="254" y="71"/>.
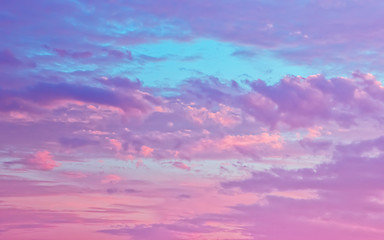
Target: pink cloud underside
<point x="209" y="119"/>
<point x="41" y="160"/>
<point x="303" y="154"/>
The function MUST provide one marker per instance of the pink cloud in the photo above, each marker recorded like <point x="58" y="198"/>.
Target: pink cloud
<point x="344" y="190"/>
<point x="111" y="179"/>
<point x="312" y="104"/>
<point x="41" y="160"/>
<point x="117" y="145"/>
<point x="146" y="151"/>
<point x="44" y="96"/>
<point x="181" y="165"/>
<point x="226" y="116"/>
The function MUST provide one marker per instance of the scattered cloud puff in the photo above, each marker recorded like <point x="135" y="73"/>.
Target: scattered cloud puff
<point x="41" y="160"/>
<point x="111" y="179"/>
<point x="181" y="165"/>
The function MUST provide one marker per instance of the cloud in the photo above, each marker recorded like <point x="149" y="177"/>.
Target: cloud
<point x="181" y="165"/>
<point x="305" y="39"/>
<point x="41" y="160"/>
<point x="91" y="90"/>
<point x="76" y="142"/>
<point x="12" y="186"/>
<point x="142" y="232"/>
<point x="163" y="231"/>
<point x="315" y="146"/>
<point x="7" y="59"/>
<point x="208" y="119"/>
<point x="111" y="179"/>
<point x="345" y="189"/>
<point x="38" y="98"/>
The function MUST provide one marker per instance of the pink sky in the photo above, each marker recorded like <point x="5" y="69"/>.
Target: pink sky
<point x="183" y="120"/>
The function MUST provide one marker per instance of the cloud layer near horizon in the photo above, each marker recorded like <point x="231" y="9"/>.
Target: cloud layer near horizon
<point x="311" y="142"/>
<point x="143" y="120"/>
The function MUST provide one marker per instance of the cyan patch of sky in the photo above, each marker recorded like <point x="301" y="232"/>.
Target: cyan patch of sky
<point x="205" y="57"/>
<point x="168" y="63"/>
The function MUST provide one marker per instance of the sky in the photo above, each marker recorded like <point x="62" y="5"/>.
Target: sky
<point x="191" y="120"/>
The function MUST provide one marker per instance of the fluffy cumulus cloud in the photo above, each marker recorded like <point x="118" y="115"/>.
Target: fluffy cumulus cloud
<point x="167" y="120"/>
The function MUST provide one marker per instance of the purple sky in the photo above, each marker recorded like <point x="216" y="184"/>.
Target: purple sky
<point x="191" y="120"/>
